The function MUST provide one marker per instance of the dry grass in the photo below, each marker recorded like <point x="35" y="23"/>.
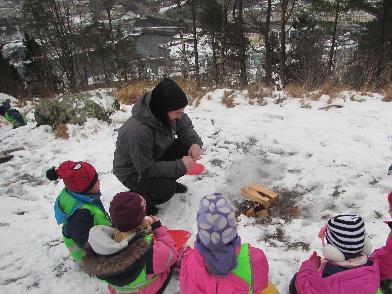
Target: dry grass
<point x="194" y="92"/>
<point x="387" y="92"/>
<point x="333" y="89"/>
<point x="297" y="91"/>
<point x="62" y="131"/>
<point x="228" y="98"/>
<point x="280" y="99"/>
<point x="257" y="93"/>
<point x="18" y="103"/>
<point x="129" y="93"/>
<point x="304" y="92"/>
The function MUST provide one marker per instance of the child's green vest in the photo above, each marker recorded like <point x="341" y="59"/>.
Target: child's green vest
<point x="140" y="282"/>
<point x="385" y="287"/>
<point x="15" y="118"/>
<point x="244" y="269"/>
<point x="68" y="204"/>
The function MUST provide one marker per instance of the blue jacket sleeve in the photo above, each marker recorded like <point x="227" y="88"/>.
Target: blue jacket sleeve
<point x="78" y="227"/>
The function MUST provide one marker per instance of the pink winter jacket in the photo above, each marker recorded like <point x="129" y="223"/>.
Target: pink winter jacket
<point x="194" y="278"/>
<point x="165" y="255"/>
<point x="383" y="256"/>
<point x="360" y="280"/>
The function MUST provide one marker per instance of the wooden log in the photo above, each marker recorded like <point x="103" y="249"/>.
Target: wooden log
<point x="251" y="212"/>
<point x="265" y="191"/>
<point x="255" y="196"/>
<point x="262" y="213"/>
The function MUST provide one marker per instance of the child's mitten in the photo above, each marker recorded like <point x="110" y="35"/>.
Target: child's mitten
<point x="315" y="258"/>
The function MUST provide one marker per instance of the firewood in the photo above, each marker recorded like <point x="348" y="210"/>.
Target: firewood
<point x="262" y="213"/>
<point x="254" y="196"/>
<point x="250" y="212"/>
<point x="265" y="191"/>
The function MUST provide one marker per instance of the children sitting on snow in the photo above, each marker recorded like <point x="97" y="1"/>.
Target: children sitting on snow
<point x="220" y="263"/>
<point x="78" y="207"/>
<point x="127" y="256"/>
<point x="12" y="115"/>
<point x="345" y="267"/>
<point x="383" y="256"/>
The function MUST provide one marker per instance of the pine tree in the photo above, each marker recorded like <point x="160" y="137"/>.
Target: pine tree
<point x="242" y="44"/>
<point x="127" y="55"/>
<point x="51" y="23"/>
<point x="38" y="72"/>
<point x="268" y="46"/>
<point x="211" y="20"/>
<point x="195" y="45"/>
<point x="372" y="63"/>
<point x="305" y="59"/>
<point x="10" y="83"/>
<point x="336" y="8"/>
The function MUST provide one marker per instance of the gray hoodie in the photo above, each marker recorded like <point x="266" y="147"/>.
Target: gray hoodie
<point x="143" y="139"/>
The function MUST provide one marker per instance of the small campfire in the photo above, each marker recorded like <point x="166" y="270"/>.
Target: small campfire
<point x="260" y="197"/>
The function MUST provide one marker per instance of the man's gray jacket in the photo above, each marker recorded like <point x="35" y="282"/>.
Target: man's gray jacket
<point x="143" y="139"/>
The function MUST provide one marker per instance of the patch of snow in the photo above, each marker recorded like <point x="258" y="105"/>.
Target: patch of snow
<point x="166" y="9"/>
<point x="4" y="97"/>
<point x="103" y="97"/>
<point x="336" y="158"/>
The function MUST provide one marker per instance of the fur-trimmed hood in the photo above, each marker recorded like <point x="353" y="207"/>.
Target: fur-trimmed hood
<point x="126" y="258"/>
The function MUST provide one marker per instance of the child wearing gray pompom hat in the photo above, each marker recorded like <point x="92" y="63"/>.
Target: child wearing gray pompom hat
<point x="219" y="263"/>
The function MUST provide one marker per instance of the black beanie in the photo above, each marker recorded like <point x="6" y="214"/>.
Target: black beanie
<point x="167" y="96"/>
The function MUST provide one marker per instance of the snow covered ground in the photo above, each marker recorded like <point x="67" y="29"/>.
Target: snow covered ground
<point x="323" y="162"/>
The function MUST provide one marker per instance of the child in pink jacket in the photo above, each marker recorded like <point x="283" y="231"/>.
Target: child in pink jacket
<point x="127" y="256"/>
<point x="219" y="263"/>
<point x="383" y="255"/>
<point x="346" y="267"/>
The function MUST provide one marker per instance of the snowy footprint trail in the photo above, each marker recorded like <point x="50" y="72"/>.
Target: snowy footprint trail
<point x="322" y="163"/>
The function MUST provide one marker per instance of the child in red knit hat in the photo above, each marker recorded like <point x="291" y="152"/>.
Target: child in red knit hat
<point x="78" y="207"/>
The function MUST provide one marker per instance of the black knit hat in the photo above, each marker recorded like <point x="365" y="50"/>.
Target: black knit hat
<point x="167" y="96"/>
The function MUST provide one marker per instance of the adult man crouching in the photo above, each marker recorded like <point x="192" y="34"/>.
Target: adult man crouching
<point x="157" y="145"/>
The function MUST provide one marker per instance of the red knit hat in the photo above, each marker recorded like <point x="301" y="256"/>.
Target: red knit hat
<point x="78" y="177"/>
<point x="127" y="210"/>
<point x="390" y="199"/>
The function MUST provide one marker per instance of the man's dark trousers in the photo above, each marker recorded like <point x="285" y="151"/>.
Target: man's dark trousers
<point x="160" y="190"/>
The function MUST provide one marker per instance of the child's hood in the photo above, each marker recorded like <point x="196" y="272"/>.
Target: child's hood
<point x="81" y="199"/>
<point x="113" y="257"/>
<point x="101" y="240"/>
